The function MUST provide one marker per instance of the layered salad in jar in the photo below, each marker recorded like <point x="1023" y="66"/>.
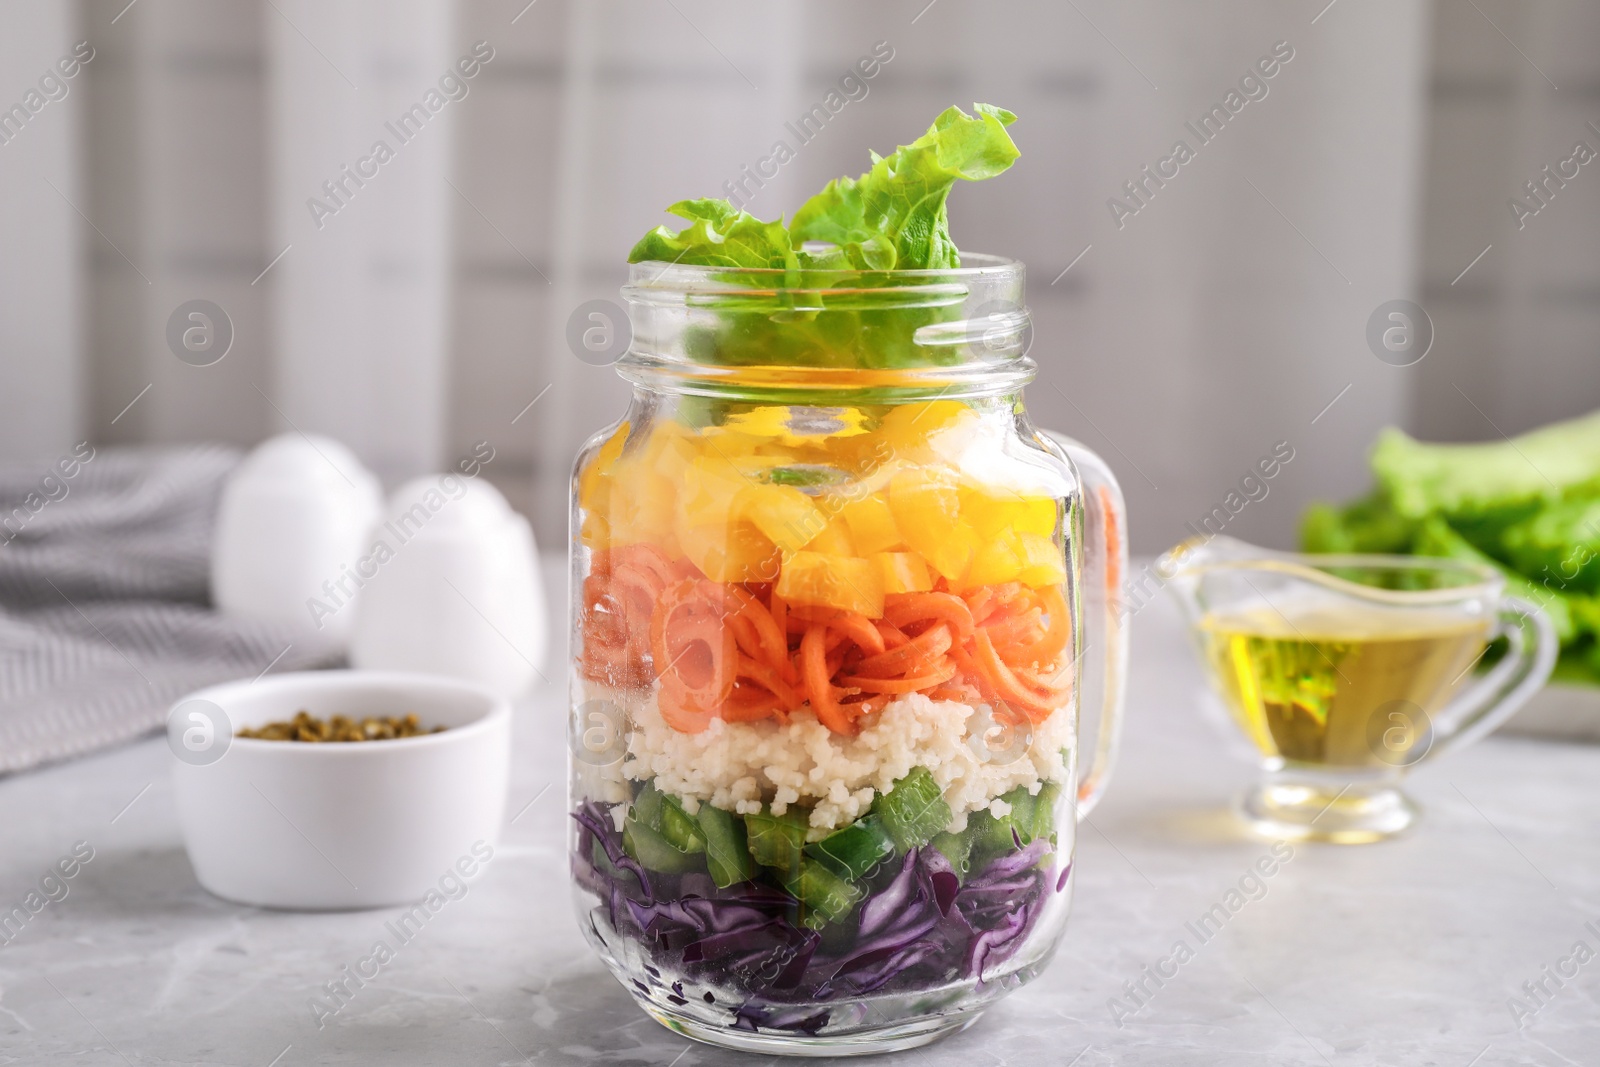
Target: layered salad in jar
<point x="823" y="684"/>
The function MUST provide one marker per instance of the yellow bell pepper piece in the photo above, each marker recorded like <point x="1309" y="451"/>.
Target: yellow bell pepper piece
<point x="673" y="459"/>
<point x="871" y="523"/>
<point x="907" y="427"/>
<point x="785" y="514"/>
<point x="903" y="572"/>
<point x="1012" y="556"/>
<point x="997" y="559"/>
<point x="731" y="552"/>
<point x="990" y="511"/>
<point x="639" y="492"/>
<point x="596" y="530"/>
<point x="833" y="540"/>
<point x="926" y="508"/>
<point x="844" y="582"/>
<point x="711" y="492"/>
<point x="1043" y="561"/>
<point x="632" y="516"/>
<point x="601" y="466"/>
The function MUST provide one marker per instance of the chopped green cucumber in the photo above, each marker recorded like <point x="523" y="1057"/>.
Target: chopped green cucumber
<point x="1044" y="812"/>
<point x="648" y="804"/>
<point x="853" y="851"/>
<point x="826" y="898"/>
<point x="664" y="814"/>
<point x="654" y="851"/>
<point x="957" y="848"/>
<point x="727" y="850"/>
<point x="1022" y="804"/>
<point x="1031" y="816"/>
<point x="776" y="841"/>
<point x="913" y="810"/>
<point x="987" y="837"/>
<point x="681" y="828"/>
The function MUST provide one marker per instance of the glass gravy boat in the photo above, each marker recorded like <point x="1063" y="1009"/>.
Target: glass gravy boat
<point x="1347" y="670"/>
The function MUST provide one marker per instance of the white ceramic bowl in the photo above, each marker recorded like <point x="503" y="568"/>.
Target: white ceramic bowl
<point x="364" y="824"/>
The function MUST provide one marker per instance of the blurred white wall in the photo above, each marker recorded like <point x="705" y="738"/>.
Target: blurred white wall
<point x="42" y="281"/>
<point x="1224" y="316"/>
<point x="361" y="139"/>
<point x="1519" y="333"/>
<point x="175" y="171"/>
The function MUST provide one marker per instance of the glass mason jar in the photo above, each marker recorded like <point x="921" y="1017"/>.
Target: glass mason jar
<point x="836" y="607"/>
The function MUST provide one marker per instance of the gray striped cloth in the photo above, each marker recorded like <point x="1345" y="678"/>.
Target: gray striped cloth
<point x="105" y="617"/>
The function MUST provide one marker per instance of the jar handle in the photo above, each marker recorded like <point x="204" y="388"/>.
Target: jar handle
<point x="1101" y="534"/>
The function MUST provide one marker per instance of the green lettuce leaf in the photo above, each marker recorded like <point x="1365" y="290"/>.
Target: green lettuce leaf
<point x="1578" y="666"/>
<point x="1559" y="545"/>
<point x="1498" y="482"/>
<point x="894" y="217"/>
<point x="1570" y="615"/>
<point x="1367" y="525"/>
<point x="719" y="235"/>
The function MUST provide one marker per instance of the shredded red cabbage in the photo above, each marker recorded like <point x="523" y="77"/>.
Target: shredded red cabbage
<point x="919" y="927"/>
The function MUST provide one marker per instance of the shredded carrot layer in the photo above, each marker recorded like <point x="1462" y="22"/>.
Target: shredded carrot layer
<point x="741" y="653"/>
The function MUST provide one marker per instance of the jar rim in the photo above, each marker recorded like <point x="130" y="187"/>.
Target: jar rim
<point x="970" y="320"/>
<point x="826" y="386"/>
<point x="974" y="266"/>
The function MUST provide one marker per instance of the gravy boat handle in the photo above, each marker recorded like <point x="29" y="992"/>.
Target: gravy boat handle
<point x="1494" y="698"/>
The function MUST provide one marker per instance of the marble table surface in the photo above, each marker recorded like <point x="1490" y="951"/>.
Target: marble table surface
<point x="1407" y="952"/>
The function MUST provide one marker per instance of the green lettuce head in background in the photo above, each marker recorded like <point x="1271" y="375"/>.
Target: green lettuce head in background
<point x="892" y="218"/>
<point x="1528" y="506"/>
